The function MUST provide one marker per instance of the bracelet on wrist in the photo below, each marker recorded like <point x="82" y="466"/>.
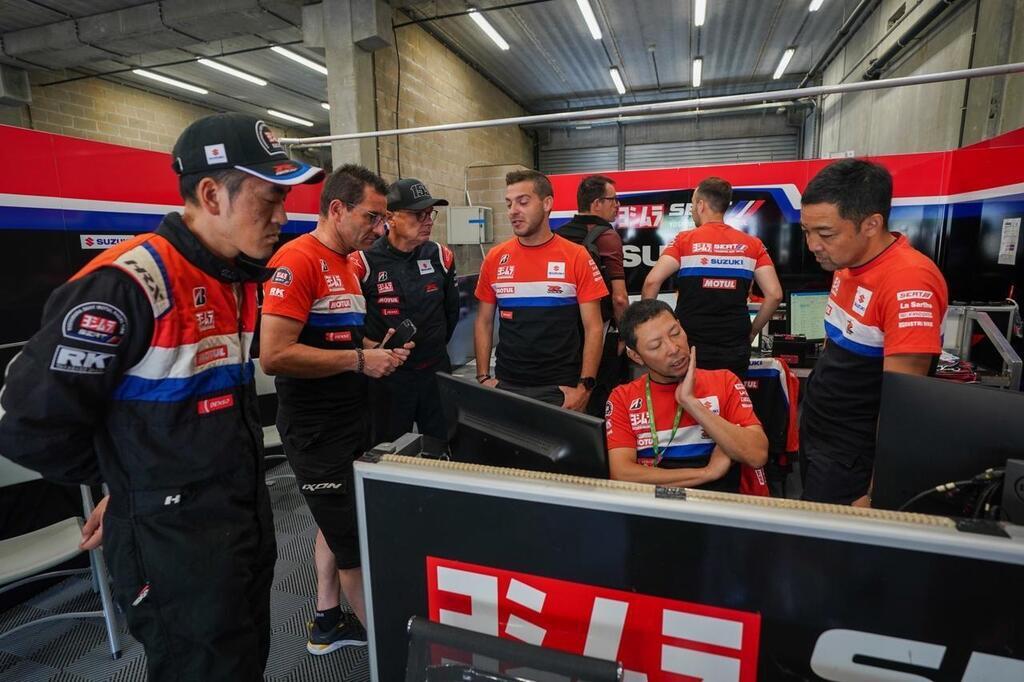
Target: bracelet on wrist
<point x="481" y="378"/>
<point x="360" y="361"/>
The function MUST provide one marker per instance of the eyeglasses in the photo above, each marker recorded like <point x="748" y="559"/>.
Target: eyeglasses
<point x="376" y="219"/>
<point x="423" y="215"/>
<point x="615" y="199"/>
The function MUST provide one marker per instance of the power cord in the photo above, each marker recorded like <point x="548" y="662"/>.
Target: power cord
<point x="990" y="478"/>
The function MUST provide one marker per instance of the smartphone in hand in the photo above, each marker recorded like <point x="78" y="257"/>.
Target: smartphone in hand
<point x="403" y="335"/>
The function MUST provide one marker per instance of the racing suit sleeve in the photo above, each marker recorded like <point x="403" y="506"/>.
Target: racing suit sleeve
<point x="451" y="293"/>
<point x="57" y="388"/>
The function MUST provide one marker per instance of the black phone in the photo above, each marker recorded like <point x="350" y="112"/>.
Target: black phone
<point x="403" y="335"/>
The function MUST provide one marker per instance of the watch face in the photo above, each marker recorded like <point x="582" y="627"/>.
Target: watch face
<point x="588" y="382"/>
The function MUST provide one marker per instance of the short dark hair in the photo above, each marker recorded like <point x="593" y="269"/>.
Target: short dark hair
<point x="638" y="313"/>
<point x="590" y="189"/>
<point x="541" y="184"/>
<point x="232" y="178"/>
<point x="348" y="184"/>
<point x="716" y="192"/>
<point x="858" y="188"/>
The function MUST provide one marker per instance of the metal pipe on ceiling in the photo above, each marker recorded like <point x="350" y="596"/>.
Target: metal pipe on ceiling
<point x="628" y="120"/>
<point x="672" y="106"/>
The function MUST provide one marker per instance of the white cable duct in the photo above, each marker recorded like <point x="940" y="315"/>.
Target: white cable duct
<point x="677" y="105"/>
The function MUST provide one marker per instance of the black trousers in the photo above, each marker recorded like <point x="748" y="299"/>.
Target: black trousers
<point x="193" y="577"/>
<point x="833" y="480"/>
<point x="551" y="395"/>
<point x="411" y="396"/>
<point x="733" y="358"/>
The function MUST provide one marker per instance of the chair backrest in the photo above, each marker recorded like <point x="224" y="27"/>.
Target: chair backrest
<point x="12" y="474"/>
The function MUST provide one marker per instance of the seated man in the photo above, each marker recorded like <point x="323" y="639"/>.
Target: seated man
<point x="678" y="425"/>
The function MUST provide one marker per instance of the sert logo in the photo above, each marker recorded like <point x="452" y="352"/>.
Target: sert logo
<point x="102" y="241"/>
<point x="654" y="638"/>
<point x="922" y="294"/>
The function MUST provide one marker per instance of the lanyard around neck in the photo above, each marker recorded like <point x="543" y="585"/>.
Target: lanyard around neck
<point x="654" y="429"/>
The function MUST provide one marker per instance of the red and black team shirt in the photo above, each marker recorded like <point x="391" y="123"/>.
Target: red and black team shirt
<point x="627" y="424"/>
<point x="317" y="286"/>
<point x="537" y="290"/>
<point x="894" y="304"/>
<point x="716" y="267"/>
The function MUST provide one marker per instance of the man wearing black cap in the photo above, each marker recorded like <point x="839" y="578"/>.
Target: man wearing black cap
<point x="406" y="276"/>
<point x="141" y="377"/>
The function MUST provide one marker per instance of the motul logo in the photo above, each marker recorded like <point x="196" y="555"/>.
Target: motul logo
<point x="651" y="636"/>
<point x="715" y="283"/>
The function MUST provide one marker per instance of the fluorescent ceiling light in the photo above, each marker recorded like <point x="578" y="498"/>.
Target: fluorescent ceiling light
<point x="700" y="9"/>
<point x="231" y="71"/>
<point x="289" y="117"/>
<point x="295" y="57"/>
<point x="698" y="64"/>
<point x="618" y="80"/>
<point x="588" y="16"/>
<point x="486" y="27"/>
<point x="170" y="81"/>
<point x="784" y="62"/>
<point x="815" y="5"/>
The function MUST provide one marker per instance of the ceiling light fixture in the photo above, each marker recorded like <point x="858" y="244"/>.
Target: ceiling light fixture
<point x="784" y="62"/>
<point x="325" y="105"/>
<point x="815" y="5"/>
<point x="231" y="71"/>
<point x="698" y="64"/>
<point x="486" y="27"/>
<point x="295" y="57"/>
<point x="170" y="81"/>
<point x="617" y="78"/>
<point x="589" y="18"/>
<point x="289" y="117"/>
<point x="700" y="10"/>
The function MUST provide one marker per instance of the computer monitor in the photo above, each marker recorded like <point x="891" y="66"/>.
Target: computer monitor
<point x="498" y="428"/>
<point x="933" y="431"/>
<point x="806" y="310"/>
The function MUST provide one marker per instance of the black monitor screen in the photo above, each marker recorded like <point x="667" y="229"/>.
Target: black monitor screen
<point x="498" y="428"/>
<point x="933" y="431"/>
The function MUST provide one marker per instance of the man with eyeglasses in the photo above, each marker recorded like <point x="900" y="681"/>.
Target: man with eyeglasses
<point x="312" y="339"/>
<point x="405" y="275"/>
<point x="592" y="228"/>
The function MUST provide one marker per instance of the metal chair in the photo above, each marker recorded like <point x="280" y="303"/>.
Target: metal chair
<point x="26" y="558"/>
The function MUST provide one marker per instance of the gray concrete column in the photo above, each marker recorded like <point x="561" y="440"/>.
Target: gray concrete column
<point x="349" y="31"/>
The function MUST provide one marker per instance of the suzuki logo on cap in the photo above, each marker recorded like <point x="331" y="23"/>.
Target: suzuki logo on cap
<point x="267" y="139"/>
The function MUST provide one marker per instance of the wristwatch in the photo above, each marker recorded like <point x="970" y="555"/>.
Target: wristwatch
<point x="587" y="382"/>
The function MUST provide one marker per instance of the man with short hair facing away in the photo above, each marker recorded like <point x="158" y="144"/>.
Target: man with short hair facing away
<point x="678" y="425"/>
<point x="141" y="377"/>
<point x="312" y="340"/>
<point x="884" y="313"/>
<point x="405" y="275"/>
<point x="713" y="267"/>
<point x="592" y="228"/>
<point x="542" y="285"/>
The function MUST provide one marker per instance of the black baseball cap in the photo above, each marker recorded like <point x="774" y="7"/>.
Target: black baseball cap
<point x="239" y="141"/>
<point x="409" y="194"/>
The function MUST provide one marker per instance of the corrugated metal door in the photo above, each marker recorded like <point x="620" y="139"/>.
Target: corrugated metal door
<point x="707" y="152"/>
<point x="593" y="160"/>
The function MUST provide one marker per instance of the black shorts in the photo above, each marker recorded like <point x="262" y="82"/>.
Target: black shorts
<point x="321" y="458"/>
<point x="552" y="395"/>
<point x="833" y="480"/>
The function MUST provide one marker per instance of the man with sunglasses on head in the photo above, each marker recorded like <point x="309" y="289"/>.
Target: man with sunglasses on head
<point x="312" y="339"/>
<point x="592" y="228"/>
<point x="405" y="275"/>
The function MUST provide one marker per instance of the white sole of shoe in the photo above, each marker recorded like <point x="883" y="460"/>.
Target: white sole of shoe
<point x="323" y="649"/>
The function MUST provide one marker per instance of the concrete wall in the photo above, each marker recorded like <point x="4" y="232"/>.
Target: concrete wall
<point x="438" y="87"/>
<point x="926" y="117"/>
<point x="104" y="111"/>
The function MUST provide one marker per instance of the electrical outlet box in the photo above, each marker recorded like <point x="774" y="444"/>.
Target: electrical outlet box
<point x="470" y="225"/>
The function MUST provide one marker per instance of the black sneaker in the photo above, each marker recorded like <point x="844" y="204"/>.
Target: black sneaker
<point x="348" y="632"/>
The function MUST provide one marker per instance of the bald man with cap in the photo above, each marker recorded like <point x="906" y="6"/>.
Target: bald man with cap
<point x="141" y="377"/>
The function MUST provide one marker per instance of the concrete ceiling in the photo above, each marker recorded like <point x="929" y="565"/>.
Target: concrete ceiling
<point x="552" y="64"/>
